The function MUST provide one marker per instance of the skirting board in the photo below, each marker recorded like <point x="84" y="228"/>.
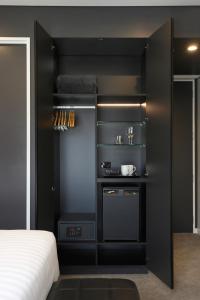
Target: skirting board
<point x="74" y="270"/>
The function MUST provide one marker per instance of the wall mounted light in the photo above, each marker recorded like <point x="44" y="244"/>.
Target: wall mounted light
<point x="144" y="104"/>
<point x="192" y="48"/>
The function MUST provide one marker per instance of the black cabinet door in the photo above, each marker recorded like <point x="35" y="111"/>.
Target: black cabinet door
<point x="13" y="137"/>
<point x="44" y="64"/>
<point x="159" y="154"/>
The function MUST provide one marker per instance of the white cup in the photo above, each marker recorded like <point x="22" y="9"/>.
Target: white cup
<point x="127" y="170"/>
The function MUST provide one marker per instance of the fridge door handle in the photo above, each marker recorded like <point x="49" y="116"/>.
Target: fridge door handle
<point x="110" y="192"/>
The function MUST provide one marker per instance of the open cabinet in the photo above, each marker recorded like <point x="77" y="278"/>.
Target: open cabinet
<point x="125" y="119"/>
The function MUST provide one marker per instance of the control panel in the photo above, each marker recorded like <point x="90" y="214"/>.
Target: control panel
<point x="73" y="231"/>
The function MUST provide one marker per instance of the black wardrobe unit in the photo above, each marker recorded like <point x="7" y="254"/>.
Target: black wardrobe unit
<point x="134" y="84"/>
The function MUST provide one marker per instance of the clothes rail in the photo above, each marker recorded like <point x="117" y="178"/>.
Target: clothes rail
<point x="75" y="107"/>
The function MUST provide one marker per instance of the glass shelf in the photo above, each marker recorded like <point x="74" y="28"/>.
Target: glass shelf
<point x="122" y="145"/>
<point x="122" y="95"/>
<point x="118" y="123"/>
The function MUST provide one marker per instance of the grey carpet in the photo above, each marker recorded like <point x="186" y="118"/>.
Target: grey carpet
<point x="186" y="272"/>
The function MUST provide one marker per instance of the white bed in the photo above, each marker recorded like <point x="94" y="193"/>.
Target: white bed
<point x="28" y="264"/>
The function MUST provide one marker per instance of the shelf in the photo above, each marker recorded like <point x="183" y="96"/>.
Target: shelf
<point x="104" y="269"/>
<point x="74" y="100"/>
<point x="84" y="243"/>
<point x="98" y="95"/>
<point x="122" y="95"/>
<point x="118" y="123"/>
<point x="75" y="243"/>
<point x="60" y="95"/>
<point x="116" y="100"/>
<point x="135" y="101"/>
<point x="121" y="243"/>
<point x="122" y="179"/>
<point x="121" y="145"/>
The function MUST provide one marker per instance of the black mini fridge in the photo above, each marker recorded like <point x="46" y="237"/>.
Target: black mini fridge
<point x="121" y="214"/>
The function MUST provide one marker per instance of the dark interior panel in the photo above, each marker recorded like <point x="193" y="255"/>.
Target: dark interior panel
<point x="112" y="254"/>
<point x="120" y="85"/>
<point x="77" y="254"/>
<point x="122" y="114"/>
<point x="13" y="137"/>
<point x="100" y="65"/>
<point x="77" y="165"/>
<point x="100" y="46"/>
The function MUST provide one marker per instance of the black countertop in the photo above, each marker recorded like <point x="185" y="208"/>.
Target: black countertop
<point x="122" y="179"/>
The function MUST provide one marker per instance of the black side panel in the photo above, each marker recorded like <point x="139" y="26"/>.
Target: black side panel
<point x="159" y="187"/>
<point x="77" y="169"/>
<point x="182" y="158"/>
<point x="45" y="153"/>
<point x="13" y="137"/>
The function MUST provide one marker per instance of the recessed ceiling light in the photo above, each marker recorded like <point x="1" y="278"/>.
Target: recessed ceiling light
<point x="192" y="48"/>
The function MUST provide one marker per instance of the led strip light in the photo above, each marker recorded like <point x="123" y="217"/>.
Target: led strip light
<point x="121" y="104"/>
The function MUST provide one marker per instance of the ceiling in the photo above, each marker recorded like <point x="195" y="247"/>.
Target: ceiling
<point x="101" y="2"/>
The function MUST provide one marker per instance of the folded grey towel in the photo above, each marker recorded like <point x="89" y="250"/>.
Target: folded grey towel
<point x="76" y="84"/>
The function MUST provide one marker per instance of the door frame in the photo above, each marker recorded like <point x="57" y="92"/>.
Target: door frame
<point x="192" y="79"/>
<point x="26" y="42"/>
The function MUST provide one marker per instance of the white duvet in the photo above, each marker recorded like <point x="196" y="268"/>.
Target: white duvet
<point x="28" y="264"/>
